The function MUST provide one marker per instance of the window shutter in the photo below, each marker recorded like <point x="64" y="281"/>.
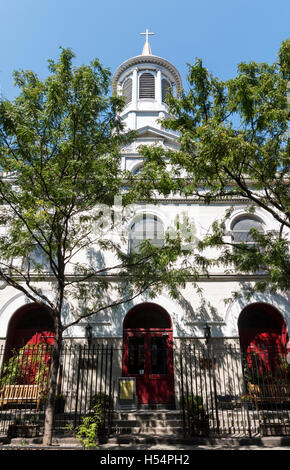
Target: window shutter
<point x="147" y="85"/>
<point x="127" y="90"/>
<point x="165" y="88"/>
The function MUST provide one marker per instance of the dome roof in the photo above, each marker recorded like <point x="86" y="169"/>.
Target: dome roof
<point x="147" y="58"/>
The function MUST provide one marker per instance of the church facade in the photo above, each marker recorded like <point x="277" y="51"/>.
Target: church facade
<point x="149" y="331"/>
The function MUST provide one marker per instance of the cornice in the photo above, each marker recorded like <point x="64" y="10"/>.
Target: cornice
<point x="214" y="277"/>
<point x="143" y="59"/>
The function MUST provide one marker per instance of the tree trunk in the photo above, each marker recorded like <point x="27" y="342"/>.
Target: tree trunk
<point x="49" y="411"/>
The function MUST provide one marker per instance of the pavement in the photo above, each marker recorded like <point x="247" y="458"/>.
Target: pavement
<point x="224" y="444"/>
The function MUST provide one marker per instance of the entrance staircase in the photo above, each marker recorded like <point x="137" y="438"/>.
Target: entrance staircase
<point x="158" y="426"/>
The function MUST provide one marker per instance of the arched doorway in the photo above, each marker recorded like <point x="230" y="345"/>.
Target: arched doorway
<point x="31" y="324"/>
<point x="263" y="337"/>
<point x="148" y="353"/>
<point x="28" y="346"/>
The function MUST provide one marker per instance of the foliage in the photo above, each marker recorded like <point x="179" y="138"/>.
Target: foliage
<point x="60" y="147"/>
<point x="28" y="365"/>
<point x="87" y="431"/>
<point x="101" y="399"/>
<point x="193" y="404"/>
<point x="234" y="144"/>
<point x="282" y="369"/>
<point x="60" y="144"/>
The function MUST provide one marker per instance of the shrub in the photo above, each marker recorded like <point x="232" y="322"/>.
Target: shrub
<point x="87" y="431"/>
<point x="100" y="399"/>
<point x="193" y="404"/>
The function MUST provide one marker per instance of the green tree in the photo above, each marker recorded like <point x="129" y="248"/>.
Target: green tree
<point x="234" y="143"/>
<point x="60" y="141"/>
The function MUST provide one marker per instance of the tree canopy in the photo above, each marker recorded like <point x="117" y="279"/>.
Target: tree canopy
<point x="60" y="243"/>
<point x="234" y="144"/>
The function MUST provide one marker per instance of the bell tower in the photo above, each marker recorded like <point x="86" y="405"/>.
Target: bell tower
<point x="144" y="81"/>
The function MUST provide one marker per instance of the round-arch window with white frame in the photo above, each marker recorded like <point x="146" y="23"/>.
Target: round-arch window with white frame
<point x="146" y="227"/>
<point x="135" y="170"/>
<point x="242" y="226"/>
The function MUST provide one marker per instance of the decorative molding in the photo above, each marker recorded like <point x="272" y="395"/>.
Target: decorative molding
<point x="203" y="322"/>
<point x="151" y="59"/>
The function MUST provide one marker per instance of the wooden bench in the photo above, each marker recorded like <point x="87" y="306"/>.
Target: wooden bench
<point x="269" y="393"/>
<point x="21" y="394"/>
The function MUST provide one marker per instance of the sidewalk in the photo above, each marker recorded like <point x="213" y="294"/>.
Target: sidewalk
<point x="71" y="444"/>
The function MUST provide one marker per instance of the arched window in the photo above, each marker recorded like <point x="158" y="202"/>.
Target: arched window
<point x="148" y="227"/>
<point x="147" y="85"/>
<point x="242" y="227"/>
<point x="37" y="260"/>
<point x="137" y="168"/>
<point x="127" y="90"/>
<point x="165" y="88"/>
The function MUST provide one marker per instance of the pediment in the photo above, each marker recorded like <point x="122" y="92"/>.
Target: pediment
<point x="159" y="134"/>
<point x="148" y="135"/>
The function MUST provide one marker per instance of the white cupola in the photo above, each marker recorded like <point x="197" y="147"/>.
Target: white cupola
<point x="144" y="81"/>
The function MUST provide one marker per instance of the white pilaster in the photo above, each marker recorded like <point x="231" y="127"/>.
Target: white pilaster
<point x="158" y="88"/>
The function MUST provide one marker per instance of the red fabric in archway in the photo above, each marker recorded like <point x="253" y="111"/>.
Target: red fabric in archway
<point x="268" y="347"/>
<point x="47" y="337"/>
<point x="38" y="356"/>
<point x="263" y="337"/>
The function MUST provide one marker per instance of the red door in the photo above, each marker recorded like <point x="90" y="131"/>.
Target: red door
<point x="148" y="356"/>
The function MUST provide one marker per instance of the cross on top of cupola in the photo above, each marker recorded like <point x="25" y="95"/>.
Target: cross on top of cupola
<point x="146" y="48"/>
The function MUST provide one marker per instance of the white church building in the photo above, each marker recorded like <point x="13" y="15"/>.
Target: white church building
<point x="149" y="331"/>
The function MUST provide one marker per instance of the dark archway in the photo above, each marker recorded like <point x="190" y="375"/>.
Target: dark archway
<point x="148" y="353"/>
<point x="263" y="337"/>
<point x="31" y="324"/>
<point x="147" y="315"/>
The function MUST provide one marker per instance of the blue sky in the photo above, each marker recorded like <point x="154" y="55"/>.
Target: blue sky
<point x="221" y="32"/>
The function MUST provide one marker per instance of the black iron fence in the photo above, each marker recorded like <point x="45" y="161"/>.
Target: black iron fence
<point x="219" y="390"/>
<point x="84" y="380"/>
<point x="227" y="392"/>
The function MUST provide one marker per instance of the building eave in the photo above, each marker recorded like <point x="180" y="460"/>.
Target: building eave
<point x="146" y="59"/>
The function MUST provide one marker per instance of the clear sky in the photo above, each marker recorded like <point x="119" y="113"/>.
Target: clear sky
<point x="220" y="32"/>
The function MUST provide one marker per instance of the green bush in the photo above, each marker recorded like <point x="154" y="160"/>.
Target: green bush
<point x="100" y="399"/>
<point x="88" y="431"/>
<point x="193" y="404"/>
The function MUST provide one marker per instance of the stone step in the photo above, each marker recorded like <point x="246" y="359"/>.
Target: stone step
<point x="56" y="441"/>
<point x="147" y="422"/>
<point x="226" y="442"/>
<point x="147" y="429"/>
<point x="134" y="433"/>
<point x="154" y="423"/>
<point x="123" y="439"/>
<point x="146" y="415"/>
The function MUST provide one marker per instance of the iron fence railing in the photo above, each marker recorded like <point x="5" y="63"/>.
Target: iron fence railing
<point x="219" y="390"/>
<point x="225" y="391"/>
<point x="85" y="379"/>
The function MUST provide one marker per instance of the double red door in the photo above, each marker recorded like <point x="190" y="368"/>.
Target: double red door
<point x="148" y="356"/>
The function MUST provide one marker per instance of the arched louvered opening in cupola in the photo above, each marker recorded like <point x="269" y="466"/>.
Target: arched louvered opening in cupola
<point x="165" y="89"/>
<point x="127" y="90"/>
<point x="147" y="86"/>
